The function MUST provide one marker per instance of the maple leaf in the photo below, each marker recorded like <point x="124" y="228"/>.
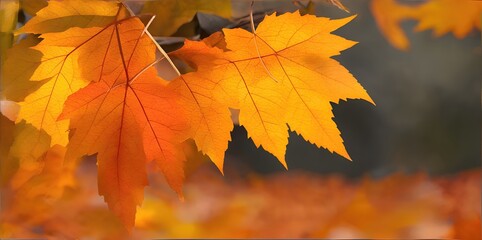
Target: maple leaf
<point x="444" y="16"/>
<point x="282" y="75"/>
<point x="44" y="74"/>
<point x="128" y="117"/>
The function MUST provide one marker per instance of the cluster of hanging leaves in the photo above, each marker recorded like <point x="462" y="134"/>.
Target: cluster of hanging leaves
<point x="86" y="83"/>
<point x="442" y="16"/>
<point x="397" y="207"/>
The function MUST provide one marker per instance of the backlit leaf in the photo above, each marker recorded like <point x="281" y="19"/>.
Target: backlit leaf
<point x="128" y="117"/>
<point x="282" y="76"/>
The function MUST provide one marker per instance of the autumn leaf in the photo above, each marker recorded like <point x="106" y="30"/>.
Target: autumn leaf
<point x="283" y="75"/>
<point x="128" y="117"/>
<point x="209" y="118"/>
<point x="171" y="14"/>
<point x="443" y="16"/>
<point x="48" y="72"/>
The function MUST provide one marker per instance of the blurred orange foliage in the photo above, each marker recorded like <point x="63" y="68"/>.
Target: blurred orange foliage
<point x="293" y="205"/>
<point x="442" y="16"/>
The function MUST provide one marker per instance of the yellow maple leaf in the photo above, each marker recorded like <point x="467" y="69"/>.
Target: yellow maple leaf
<point x="281" y="76"/>
<point x="209" y="118"/>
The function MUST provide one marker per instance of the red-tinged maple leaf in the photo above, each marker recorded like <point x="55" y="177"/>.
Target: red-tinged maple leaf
<point x="128" y="118"/>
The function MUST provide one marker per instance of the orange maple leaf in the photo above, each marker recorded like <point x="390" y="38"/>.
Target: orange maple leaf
<point x="128" y="118"/>
<point x="443" y="16"/>
<point x="281" y="75"/>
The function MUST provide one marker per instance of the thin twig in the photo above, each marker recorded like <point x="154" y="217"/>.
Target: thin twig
<point x="256" y="44"/>
<point x="155" y="42"/>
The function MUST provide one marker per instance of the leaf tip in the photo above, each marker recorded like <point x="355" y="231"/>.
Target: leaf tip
<point x="219" y="163"/>
<point x="283" y="162"/>
<point x="181" y="197"/>
<point x="342" y="152"/>
<point x="350" y="18"/>
<point x="368" y="99"/>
